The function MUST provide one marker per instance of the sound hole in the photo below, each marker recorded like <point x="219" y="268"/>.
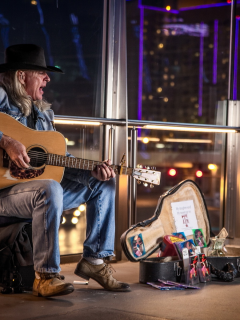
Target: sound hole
<point x="38" y="157"/>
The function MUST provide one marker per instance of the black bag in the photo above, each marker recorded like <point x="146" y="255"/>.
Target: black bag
<point x="16" y="268"/>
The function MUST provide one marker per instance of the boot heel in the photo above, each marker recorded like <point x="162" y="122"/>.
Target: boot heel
<point x="36" y="293"/>
<point x="81" y="275"/>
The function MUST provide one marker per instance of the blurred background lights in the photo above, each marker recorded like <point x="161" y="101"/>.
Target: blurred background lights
<point x="168" y="8"/>
<point x="172" y="172"/>
<point x="76" y="213"/>
<point x="34" y="2"/>
<point x="199" y="173"/>
<point x="159" y="89"/>
<point x="212" y="166"/>
<point x="145" y="140"/>
<point x="63" y="220"/>
<point x="74" y="220"/>
<point x="82" y="207"/>
<point x="160" y="45"/>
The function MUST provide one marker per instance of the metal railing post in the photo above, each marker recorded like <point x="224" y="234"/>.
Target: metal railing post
<point x="132" y="219"/>
<point x="110" y="144"/>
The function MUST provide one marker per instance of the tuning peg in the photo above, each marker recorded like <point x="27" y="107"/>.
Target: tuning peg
<point x="151" y="186"/>
<point x="138" y="182"/>
<point x="145" y="184"/>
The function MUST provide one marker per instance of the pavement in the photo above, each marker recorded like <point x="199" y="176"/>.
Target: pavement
<point x="215" y="300"/>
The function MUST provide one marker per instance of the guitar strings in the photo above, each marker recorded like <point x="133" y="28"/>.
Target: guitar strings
<point x="36" y="155"/>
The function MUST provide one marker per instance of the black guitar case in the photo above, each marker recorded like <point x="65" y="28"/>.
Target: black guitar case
<point x="144" y="238"/>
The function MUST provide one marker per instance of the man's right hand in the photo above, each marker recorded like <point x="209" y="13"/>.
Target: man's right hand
<point x="16" y="151"/>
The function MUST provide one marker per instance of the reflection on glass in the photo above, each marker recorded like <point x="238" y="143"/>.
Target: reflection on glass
<point x="82" y="142"/>
<point x="71" y="34"/>
<point x="178" y="72"/>
<point x="178" y="60"/>
<point x="180" y="156"/>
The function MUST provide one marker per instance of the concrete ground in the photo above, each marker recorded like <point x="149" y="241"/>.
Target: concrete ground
<point x="215" y="300"/>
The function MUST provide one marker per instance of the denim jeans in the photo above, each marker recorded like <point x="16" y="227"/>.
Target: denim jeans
<point x="44" y="201"/>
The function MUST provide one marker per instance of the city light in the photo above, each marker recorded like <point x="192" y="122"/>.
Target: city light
<point x="78" y="122"/>
<point x="172" y="172"/>
<point x="168" y="8"/>
<point x="188" y="140"/>
<point x="212" y="166"/>
<point x="82" y="207"/>
<point x="189" y="129"/>
<point x="74" y="220"/>
<point x="160" y="45"/>
<point x="159" y="89"/>
<point x="146" y="139"/>
<point x="70" y="143"/>
<point x="165" y="99"/>
<point x="76" y="213"/>
<point x="160" y="145"/>
<point x="199" y="173"/>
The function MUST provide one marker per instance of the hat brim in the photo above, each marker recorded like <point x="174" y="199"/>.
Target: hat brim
<point x="22" y="66"/>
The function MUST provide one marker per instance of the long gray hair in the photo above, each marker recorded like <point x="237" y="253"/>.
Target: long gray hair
<point x="17" y="93"/>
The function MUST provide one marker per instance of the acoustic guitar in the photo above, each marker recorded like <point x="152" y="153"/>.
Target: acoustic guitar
<point x="47" y="151"/>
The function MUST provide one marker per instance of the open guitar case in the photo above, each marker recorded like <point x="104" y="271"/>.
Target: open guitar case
<point x="149" y="234"/>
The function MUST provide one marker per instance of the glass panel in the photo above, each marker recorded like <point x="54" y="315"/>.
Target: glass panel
<point x="181" y="156"/>
<point x="83" y="142"/>
<point x="71" y="33"/>
<point x="177" y="61"/>
<point x="178" y="72"/>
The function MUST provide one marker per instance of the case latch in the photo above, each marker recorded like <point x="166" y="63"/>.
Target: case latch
<point x="177" y="268"/>
<point x="238" y="264"/>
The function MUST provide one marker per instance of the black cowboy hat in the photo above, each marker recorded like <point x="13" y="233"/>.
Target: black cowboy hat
<point x="26" y="57"/>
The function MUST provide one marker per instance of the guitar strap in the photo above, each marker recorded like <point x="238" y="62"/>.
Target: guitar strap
<point x="32" y="119"/>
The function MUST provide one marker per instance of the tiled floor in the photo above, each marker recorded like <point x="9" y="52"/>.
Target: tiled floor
<point x="215" y="301"/>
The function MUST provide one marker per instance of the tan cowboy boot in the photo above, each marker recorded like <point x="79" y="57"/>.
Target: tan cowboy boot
<point x="101" y="273"/>
<point x="50" y="284"/>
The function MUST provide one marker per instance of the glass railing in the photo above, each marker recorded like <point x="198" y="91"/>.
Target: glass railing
<point x="179" y="151"/>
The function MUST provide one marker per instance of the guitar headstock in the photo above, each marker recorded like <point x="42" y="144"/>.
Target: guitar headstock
<point x="147" y="176"/>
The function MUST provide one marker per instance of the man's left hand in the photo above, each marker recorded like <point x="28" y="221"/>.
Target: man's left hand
<point x="103" y="172"/>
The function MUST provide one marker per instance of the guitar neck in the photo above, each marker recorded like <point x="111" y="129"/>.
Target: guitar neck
<point x="79" y="163"/>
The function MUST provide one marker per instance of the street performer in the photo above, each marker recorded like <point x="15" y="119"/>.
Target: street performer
<point x="23" y="79"/>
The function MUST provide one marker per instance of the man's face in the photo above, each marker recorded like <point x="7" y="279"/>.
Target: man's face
<point x="35" y="81"/>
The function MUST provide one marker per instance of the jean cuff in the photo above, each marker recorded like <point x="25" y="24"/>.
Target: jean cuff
<point x="48" y="270"/>
<point x="99" y="255"/>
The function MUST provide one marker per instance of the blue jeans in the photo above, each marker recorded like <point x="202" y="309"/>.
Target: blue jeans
<point x="45" y="200"/>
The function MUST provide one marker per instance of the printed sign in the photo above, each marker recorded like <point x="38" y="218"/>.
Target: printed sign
<point x="184" y="216"/>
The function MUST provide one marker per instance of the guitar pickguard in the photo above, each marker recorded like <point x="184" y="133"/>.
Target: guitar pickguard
<point x="19" y="173"/>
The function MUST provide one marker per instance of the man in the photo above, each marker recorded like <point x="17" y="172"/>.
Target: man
<point x="24" y="77"/>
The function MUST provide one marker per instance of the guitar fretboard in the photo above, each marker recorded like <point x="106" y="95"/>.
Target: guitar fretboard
<point x="78" y="163"/>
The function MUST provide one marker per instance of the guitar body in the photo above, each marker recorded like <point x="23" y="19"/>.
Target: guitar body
<point x="51" y="141"/>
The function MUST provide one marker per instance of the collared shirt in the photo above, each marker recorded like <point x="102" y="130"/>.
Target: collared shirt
<point x="44" y="121"/>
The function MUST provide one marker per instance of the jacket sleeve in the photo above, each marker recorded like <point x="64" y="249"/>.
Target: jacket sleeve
<point x="4" y="105"/>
